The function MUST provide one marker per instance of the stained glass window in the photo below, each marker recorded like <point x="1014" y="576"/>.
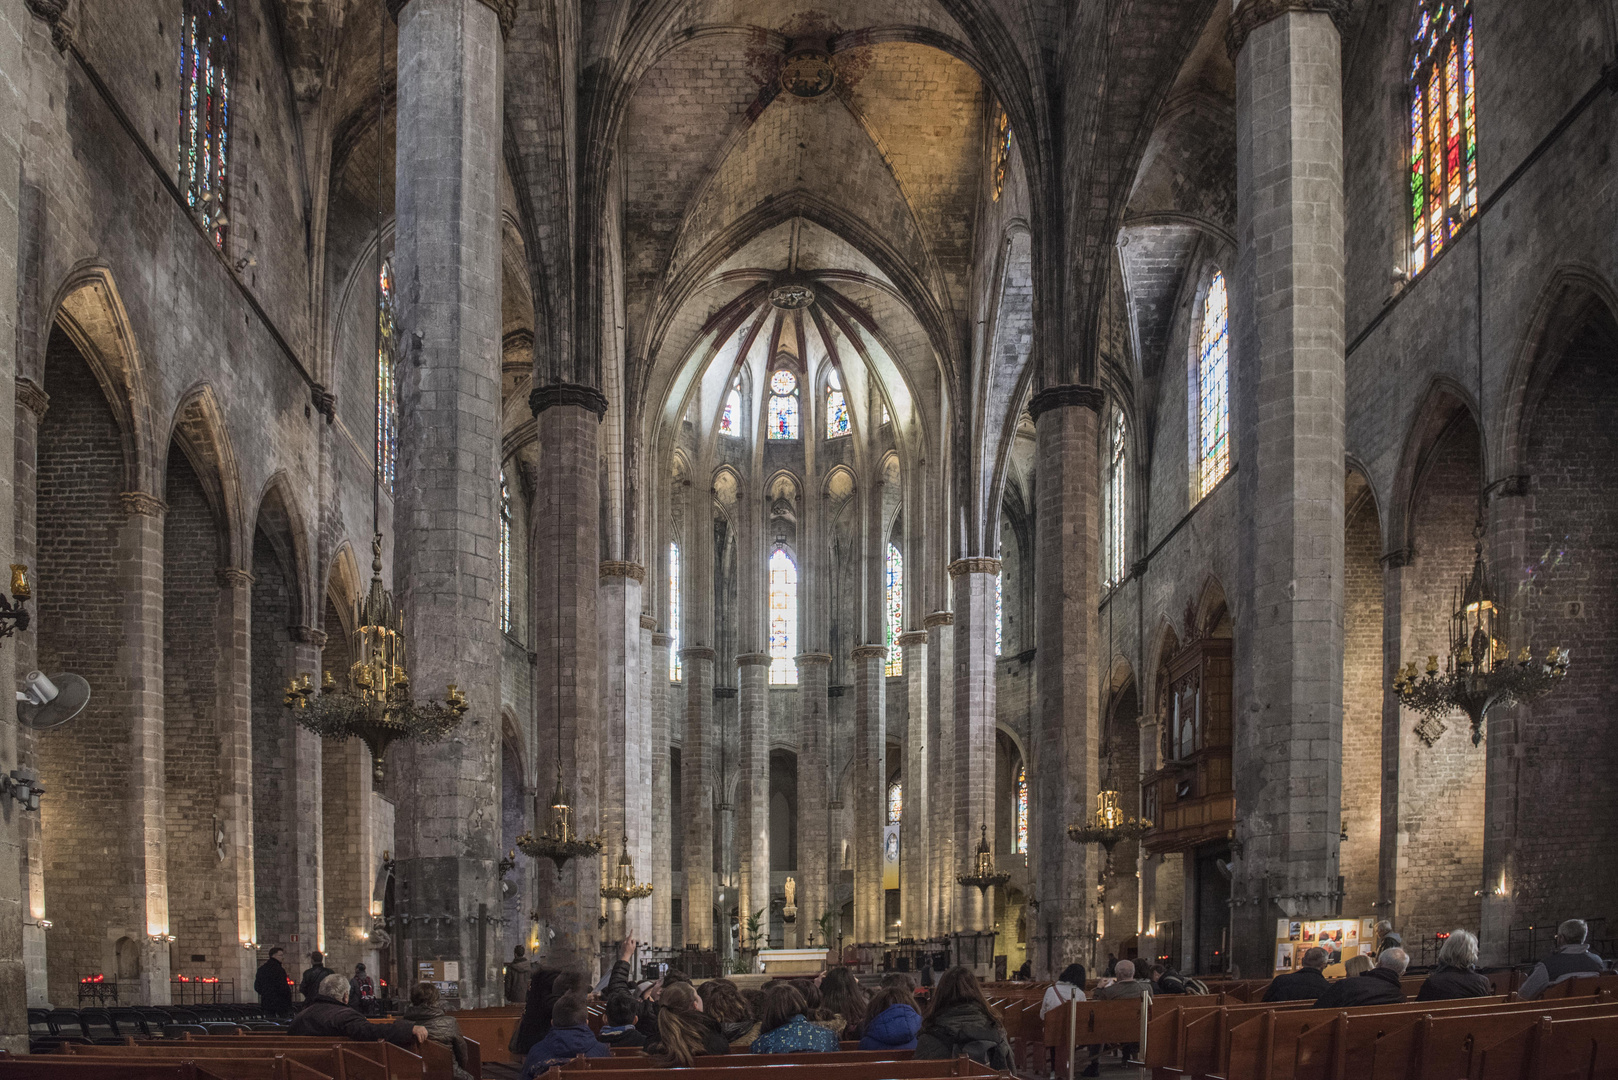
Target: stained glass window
<point x="1002" y="153"/>
<point x="1213" y="387"/>
<point x="999" y="605"/>
<point x="896" y="611"/>
<point x="1443" y="128"/>
<point x="1020" y="837"/>
<point x="837" y="422"/>
<point x="896" y="801"/>
<point x="204" y="141"/>
<point x="783" y="618"/>
<point x="387" y="391"/>
<point x="674" y="612"/>
<point x="1116" y="505"/>
<point x="783" y="405"/>
<point x="730" y="421"/>
<point x="505" y="554"/>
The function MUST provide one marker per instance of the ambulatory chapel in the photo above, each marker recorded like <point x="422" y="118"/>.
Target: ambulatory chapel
<point x="895" y="484"/>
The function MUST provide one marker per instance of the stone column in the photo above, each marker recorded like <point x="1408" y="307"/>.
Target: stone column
<point x="235" y="629"/>
<point x="1067" y="724"/>
<point x="941" y="770"/>
<point x="870" y="790"/>
<point x="16" y="743"/>
<point x="1287" y="368"/>
<point x="814" y="787"/>
<point x="642" y="841"/>
<point x="696" y="794"/>
<point x="662" y="813"/>
<point x="753" y="792"/>
<point x="568" y="706"/>
<point x="1396" y="573"/>
<point x="915" y="886"/>
<point x="622" y="813"/>
<point x="303" y="809"/>
<point x="973" y="583"/>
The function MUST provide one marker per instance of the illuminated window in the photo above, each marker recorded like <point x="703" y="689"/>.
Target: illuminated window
<point x="999" y="605"/>
<point x="674" y="612"/>
<point x="1020" y="837"/>
<point x="730" y="421"/>
<point x="1116" y="504"/>
<point x="387" y="390"/>
<point x="204" y="141"/>
<point x="1443" y="128"/>
<point x="505" y="554"/>
<point x="896" y="801"/>
<point x="783" y="618"/>
<point x="1002" y="153"/>
<point x="783" y="405"/>
<point x="1213" y="388"/>
<point x="837" y="422"/>
<point x="886" y="418"/>
<point x="896" y="611"/>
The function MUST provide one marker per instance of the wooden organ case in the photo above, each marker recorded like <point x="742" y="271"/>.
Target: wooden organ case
<point x="1190" y="798"/>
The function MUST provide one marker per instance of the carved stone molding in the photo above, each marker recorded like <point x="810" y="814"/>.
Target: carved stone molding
<point x="32" y="396"/>
<point x="1509" y="487"/>
<point x="1255" y="13"/>
<point x="1066" y="397"/>
<point x="52" y="13"/>
<point x="583" y="397"/>
<point x="231" y="576"/>
<point x="1397" y="559"/>
<point x="978" y="565"/>
<point x="724" y="693"/>
<point x="698" y="652"/>
<point x="869" y="652"/>
<point x="814" y="658"/>
<point x="308" y="635"/>
<point x="504" y="10"/>
<point x="753" y="659"/>
<point x="648" y="622"/>
<point x="324" y="400"/>
<point x="139" y="502"/>
<point x="611" y="568"/>
<point x="939" y="618"/>
<point x="912" y="637"/>
<point x="661" y="641"/>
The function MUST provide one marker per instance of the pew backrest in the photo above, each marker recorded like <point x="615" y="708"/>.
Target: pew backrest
<point x="730" y="1061"/>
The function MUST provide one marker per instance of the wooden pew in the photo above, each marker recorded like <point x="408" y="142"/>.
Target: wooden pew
<point x="1266" y="1045"/>
<point x="338" y="1061"/>
<point x="391" y="1062"/>
<point x="1434" y="1044"/>
<point x="63" y="1067"/>
<point x="1166" y="1030"/>
<point x="1585" y="1048"/>
<point x="1203" y="1037"/>
<point x="1579" y="987"/>
<point x="805" y="1068"/>
<point x="731" y="1061"/>
<point x="1088" y="1023"/>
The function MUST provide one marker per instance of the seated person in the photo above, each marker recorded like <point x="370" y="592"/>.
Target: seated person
<point x="786" y="1029"/>
<point x="427" y="1010"/>
<point x="570" y="1037"/>
<point x="1069" y="986"/>
<point x="620" y="1029"/>
<point x="328" y="1014"/>
<point x="1379" y="986"/>
<point x="1456" y="975"/>
<point x="1305" y="984"/>
<point x="892" y="1020"/>
<point x="1571" y="960"/>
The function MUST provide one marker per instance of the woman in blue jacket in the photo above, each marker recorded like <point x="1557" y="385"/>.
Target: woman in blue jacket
<point x="893" y="1020"/>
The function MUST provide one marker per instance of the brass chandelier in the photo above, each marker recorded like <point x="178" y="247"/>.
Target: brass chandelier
<point x="374" y="703"/>
<point x="623" y="886"/>
<point x="1109" y="826"/>
<point x="983" y="874"/>
<point x="1479" y="672"/>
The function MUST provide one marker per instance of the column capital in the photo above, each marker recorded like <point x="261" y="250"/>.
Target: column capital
<point x="661" y="641"/>
<point x="1066" y="397"/>
<point x="976" y="565"/>
<point x="869" y="652"/>
<point x="753" y="659"/>
<point x="1397" y="559"/>
<point x="32" y="396"/>
<point x="584" y="397"/>
<point x="698" y="652"/>
<point x="308" y="635"/>
<point x="938" y="618"/>
<point x="144" y="504"/>
<point x="649" y="622"/>
<point x="813" y="658"/>
<point x="231" y="576"/>
<point x="504" y="10"/>
<point x="616" y="568"/>
<point x="912" y="637"/>
<point x="1255" y="13"/>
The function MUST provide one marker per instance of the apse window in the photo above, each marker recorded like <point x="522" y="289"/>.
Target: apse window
<point x="730" y="421"/>
<point x="1213" y="388"/>
<point x="674" y="612"/>
<point x="783" y="619"/>
<point x="1019" y="840"/>
<point x="896" y="801"/>
<point x="999" y="615"/>
<point x="895" y="610"/>
<point x="387" y="391"/>
<point x="505" y="554"/>
<point x="1117" y="471"/>
<point x="204" y="143"/>
<point x="784" y="411"/>
<point x="1443" y="128"/>
<point x="837" y="421"/>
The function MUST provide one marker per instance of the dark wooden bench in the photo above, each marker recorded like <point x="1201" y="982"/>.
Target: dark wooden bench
<point x="1586" y="1048"/>
<point x="65" y="1067"/>
<point x="741" y="1060"/>
<point x="387" y="1061"/>
<point x="1433" y="1044"/>
<point x="805" y="1067"/>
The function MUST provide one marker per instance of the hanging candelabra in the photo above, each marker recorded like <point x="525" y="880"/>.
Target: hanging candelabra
<point x="373" y="704"/>
<point x="623" y="886"/>
<point x="983" y="875"/>
<point x="1479" y="673"/>
<point x="1109" y="826"/>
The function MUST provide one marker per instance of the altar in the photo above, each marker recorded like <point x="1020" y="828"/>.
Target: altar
<point x="775" y="963"/>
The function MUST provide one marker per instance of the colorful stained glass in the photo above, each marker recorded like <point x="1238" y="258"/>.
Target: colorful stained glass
<point x="674" y="612"/>
<point x="387" y="390"/>
<point x="1213" y="387"/>
<point x="204" y="141"/>
<point x="783" y="405"/>
<point x="730" y="420"/>
<point x="1443" y="128"/>
<point x="896" y="801"/>
<point x="999" y="613"/>
<point x="505" y="554"/>
<point x="1116" y="503"/>
<point x="783" y="618"/>
<point x="895" y="611"/>
<point x="1019" y="840"/>
<point x="837" y="420"/>
<point x="1002" y="156"/>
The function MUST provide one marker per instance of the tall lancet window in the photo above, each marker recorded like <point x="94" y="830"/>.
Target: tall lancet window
<point x="204" y="141"/>
<point x="1019" y="838"/>
<point x="387" y="390"/>
<point x="896" y="801"/>
<point x="784" y="411"/>
<point x="999" y="613"/>
<point x="730" y="421"/>
<point x="1443" y="128"/>
<point x="1117" y="503"/>
<point x="674" y="612"/>
<point x="1213" y="388"/>
<point x="837" y="421"/>
<point x="895" y="611"/>
<point x="783" y="618"/>
<point x="505" y="554"/>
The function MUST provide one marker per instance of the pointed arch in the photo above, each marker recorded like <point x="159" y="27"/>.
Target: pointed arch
<point x="1444" y="402"/>
<point x="282" y="521"/>
<point x="198" y="427"/>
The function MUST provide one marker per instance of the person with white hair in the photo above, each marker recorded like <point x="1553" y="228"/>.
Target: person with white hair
<point x="329" y="1015"/>
<point x="1572" y="959"/>
<point x="1305" y="984"/>
<point x="1456" y="975"/>
<point x="1379" y="986"/>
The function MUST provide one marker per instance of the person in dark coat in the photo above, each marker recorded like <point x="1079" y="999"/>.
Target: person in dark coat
<point x="892" y="1020"/>
<point x="427" y="1010"/>
<point x="569" y="1037"/>
<point x="620" y="1029"/>
<point x="1379" y="986"/>
<point x="273" y="985"/>
<point x="1571" y="960"/>
<point x="683" y="1032"/>
<point x="545" y="989"/>
<point x="328" y="1015"/>
<point x="960" y="1021"/>
<point x="1456" y="975"/>
<point x="313" y="976"/>
<point x="1305" y="984"/>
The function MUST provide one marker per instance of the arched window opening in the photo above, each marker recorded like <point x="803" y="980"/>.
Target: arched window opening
<point x="204" y="141"/>
<point x="674" y="612"/>
<point x="895" y="611"/>
<point x="387" y="391"/>
<point x="887" y="417"/>
<point x="1002" y="153"/>
<point x="837" y="421"/>
<point x="784" y="405"/>
<point x="783" y="619"/>
<point x="896" y="801"/>
<point x="1213" y="388"/>
<point x="1443" y="128"/>
<point x="999" y="612"/>
<point x="730" y="421"/>
<point x="1019" y="840"/>
<point x="1116" y="504"/>
<point x="505" y="554"/>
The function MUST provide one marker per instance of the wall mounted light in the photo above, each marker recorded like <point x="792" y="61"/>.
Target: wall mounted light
<point x="44" y="924"/>
<point x="22" y="785"/>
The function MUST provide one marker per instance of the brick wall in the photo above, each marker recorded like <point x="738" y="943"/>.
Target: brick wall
<point x="273" y="837"/>
<point x="1362" y="707"/>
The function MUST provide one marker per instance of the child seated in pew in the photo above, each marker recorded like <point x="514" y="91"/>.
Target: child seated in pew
<point x="683" y="1032"/>
<point x="786" y="1029"/>
<point x="722" y="1003"/>
<point x="893" y="1020"/>
<point x="569" y="1037"/>
<point x="620" y="1029"/>
<point x="427" y="1010"/>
